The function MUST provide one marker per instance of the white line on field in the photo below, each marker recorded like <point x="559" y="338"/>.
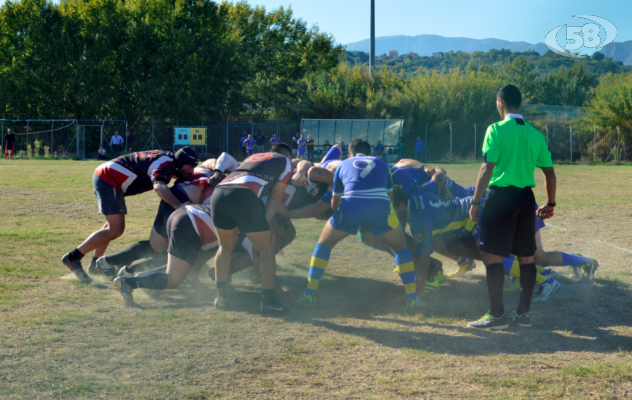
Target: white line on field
<point x="614" y="246"/>
<point x="556" y="227"/>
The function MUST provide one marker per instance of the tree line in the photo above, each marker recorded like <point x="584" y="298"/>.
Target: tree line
<point x="198" y="60"/>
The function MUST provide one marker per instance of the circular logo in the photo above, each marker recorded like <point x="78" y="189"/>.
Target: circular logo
<point x="260" y="157"/>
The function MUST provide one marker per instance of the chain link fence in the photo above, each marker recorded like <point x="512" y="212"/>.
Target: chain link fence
<point x="569" y="141"/>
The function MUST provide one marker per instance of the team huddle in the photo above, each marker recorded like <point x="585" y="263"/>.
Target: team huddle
<point x="241" y="215"/>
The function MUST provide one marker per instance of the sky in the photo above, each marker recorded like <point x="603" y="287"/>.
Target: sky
<point x="527" y="21"/>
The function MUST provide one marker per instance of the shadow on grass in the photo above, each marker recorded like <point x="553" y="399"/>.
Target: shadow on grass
<point x="578" y="319"/>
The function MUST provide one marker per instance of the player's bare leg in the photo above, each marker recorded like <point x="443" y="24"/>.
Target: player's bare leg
<point x="226" y="240"/>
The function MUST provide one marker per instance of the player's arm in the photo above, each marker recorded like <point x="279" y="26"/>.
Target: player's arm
<point x="484" y="176"/>
<point x="162" y="190"/>
<point x="338" y="190"/>
<point x="274" y="199"/>
<point x="550" y="179"/>
<point x="321" y="175"/>
<point x="299" y="179"/>
<point x="310" y="211"/>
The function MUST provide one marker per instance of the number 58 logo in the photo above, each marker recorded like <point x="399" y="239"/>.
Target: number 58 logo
<point x="587" y="36"/>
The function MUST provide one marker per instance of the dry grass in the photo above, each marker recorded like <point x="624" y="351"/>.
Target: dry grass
<point x="60" y="339"/>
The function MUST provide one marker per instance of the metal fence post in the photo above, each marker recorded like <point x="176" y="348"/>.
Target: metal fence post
<point x="27" y="139"/>
<point x="547" y="136"/>
<point x="450" y="140"/>
<point x="52" y="128"/>
<point x="2" y="133"/>
<point x="618" y="145"/>
<point x="570" y="128"/>
<point x="594" y="142"/>
<point x="425" y="152"/>
<point x="475" y="141"/>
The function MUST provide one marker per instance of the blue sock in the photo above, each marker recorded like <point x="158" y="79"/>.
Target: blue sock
<point x="154" y="280"/>
<point x="548" y="281"/>
<point x="546" y="272"/>
<point x="572" y="259"/>
<point x="508" y="262"/>
<point x="317" y="268"/>
<point x="406" y="270"/>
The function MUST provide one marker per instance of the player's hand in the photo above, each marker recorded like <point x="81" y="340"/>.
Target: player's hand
<point x="545" y="212"/>
<point x="299" y="180"/>
<point x="217" y="177"/>
<point x="188" y="203"/>
<point x="474" y="210"/>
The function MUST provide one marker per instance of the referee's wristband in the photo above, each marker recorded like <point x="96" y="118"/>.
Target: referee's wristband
<point x="475" y="203"/>
<point x="551" y="204"/>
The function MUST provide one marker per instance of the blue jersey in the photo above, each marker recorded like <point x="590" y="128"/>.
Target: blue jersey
<point x="446" y="217"/>
<point x="409" y="180"/>
<point x="274" y="140"/>
<point x="363" y="183"/>
<point x="363" y="178"/>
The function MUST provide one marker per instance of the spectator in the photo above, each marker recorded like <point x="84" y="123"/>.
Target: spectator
<point x="101" y="152"/>
<point x="243" y="139"/>
<point x="250" y="145"/>
<point x="9" y="144"/>
<point x="344" y="149"/>
<point x="128" y="142"/>
<point x="274" y="139"/>
<point x="302" y="144"/>
<point x="379" y="150"/>
<point x="420" y="149"/>
<point x="261" y="142"/>
<point x="295" y="144"/>
<point x="326" y="147"/>
<point x="310" y="148"/>
<point x="400" y="149"/>
<point x="116" y="142"/>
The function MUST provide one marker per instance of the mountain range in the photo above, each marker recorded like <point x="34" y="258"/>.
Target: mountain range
<point x="425" y="45"/>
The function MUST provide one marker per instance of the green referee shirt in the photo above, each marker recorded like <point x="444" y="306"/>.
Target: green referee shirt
<point x="517" y="148"/>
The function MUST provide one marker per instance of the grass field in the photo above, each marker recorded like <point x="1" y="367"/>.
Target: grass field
<point x="63" y="340"/>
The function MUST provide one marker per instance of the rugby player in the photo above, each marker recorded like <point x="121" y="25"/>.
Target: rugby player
<point x="192" y="242"/>
<point x="236" y="207"/>
<point x="362" y="196"/>
<point x="128" y="175"/>
<point x="195" y="189"/>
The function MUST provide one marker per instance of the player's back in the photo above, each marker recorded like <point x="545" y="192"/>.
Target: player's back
<point x="363" y="178"/>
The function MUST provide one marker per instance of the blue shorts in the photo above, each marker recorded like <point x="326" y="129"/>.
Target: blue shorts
<point x="333" y="154"/>
<point x="111" y="200"/>
<point x="301" y="152"/>
<point x="376" y="215"/>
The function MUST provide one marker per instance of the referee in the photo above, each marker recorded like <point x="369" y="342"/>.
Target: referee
<point x="512" y="149"/>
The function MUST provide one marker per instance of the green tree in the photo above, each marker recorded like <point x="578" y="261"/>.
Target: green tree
<point x="611" y="103"/>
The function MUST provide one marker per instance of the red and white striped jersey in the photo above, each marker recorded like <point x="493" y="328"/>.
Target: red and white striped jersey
<point x="260" y="172"/>
<point x="136" y="173"/>
<point x="203" y="223"/>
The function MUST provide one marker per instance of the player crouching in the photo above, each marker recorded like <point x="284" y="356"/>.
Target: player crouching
<point x="362" y="197"/>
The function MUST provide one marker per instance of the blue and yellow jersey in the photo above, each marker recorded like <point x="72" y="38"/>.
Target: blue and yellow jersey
<point x="363" y="177"/>
<point x="410" y="180"/>
<point x="431" y="215"/>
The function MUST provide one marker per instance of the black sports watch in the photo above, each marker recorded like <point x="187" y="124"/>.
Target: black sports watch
<point x="551" y="204"/>
<point x="475" y="203"/>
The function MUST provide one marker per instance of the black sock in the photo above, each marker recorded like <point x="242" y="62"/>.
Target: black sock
<point x="94" y="261"/>
<point x="134" y="252"/>
<point x="75" y="255"/>
<point x="149" y="264"/>
<point x="495" y="281"/>
<point x="221" y="288"/>
<point x="269" y="293"/>
<point x="527" y="283"/>
<point x="154" y="280"/>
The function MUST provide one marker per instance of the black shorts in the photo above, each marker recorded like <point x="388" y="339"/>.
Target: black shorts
<point x="165" y="210"/>
<point x="238" y="207"/>
<point x="10" y="146"/>
<point x="184" y="242"/>
<point x="508" y="222"/>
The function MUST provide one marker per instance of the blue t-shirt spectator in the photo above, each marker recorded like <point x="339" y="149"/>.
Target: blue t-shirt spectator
<point x="419" y="146"/>
<point x="379" y="148"/>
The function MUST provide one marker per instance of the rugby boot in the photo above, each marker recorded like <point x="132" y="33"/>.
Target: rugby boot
<point x="124" y="289"/>
<point x="546" y="291"/>
<point x="305" y="301"/>
<point x="415" y="305"/>
<point x="590" y="269"/>
<point x="125" y="272"/>
<point x="76" y="268"/>
<point x="523" y="320"/>
<point x="487" y="322"/>
<point x="462" y="269"/>
<point x="107" y="269"/>
<point x="271" y="304"/>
